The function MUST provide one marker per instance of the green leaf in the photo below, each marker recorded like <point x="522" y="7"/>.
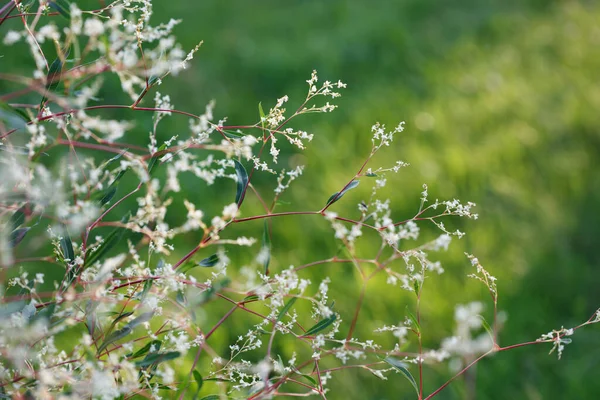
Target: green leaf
<point x="321" y="325"/>
<point x="110" y="241"/>
<point x="262" y="116"/>
<point x="154" y="159"/>
<point x="286" y="308"/>
<point x="211" y="397"/>
<point x="250" y="298"/>
<point x="152" y="80"/>
<point x="113" y="337"/>
<point x="371" y="174"/>
<point x="107" y="194"/>
<point x="66" y="245"/>
<point x="400" y="366"/>
<point x="17" y="236"/>
<point x="155" y="343"/>
<point x="242" y="182"/>
<point x="17" y="218"/>
<point x="155" y="358"/>
<point x="62" y="6"/>
<point x="145" y="290"/>
<point x="198" y="379"/>
<point x="14" y="117"/>
<point x="338" y="195"/>
<point x="90" y="314"/>
<point x="266" y="248"/>
<point x="209" y="261"/>
<point x="54" y="76"/>
<point x="487" y="327"/>
<point x="413" y="320"/>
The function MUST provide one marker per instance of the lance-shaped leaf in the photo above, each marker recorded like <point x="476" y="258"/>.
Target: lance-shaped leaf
<point x="400" y="366"/>
<point x="321" y="325"/>
<point x="66" y="245"/>
<point x="62" y="6"/>
<point x="107" y="194"/>
<point x="54" y="76"/>
<point x="265" y="252"/>
<point x="338" y="195"/>
<point x="242" y="182"/>
<point x="110" y="241"/>
<point x="17" y="218"/>
<point x="286" y="308"/>
<point x="14" y="117"/>
<point x="155" y="345"/>
<point x="209" y="261"/>
<point x="17" y="236"/>
<point x="154" y="159"/>
<point x="413" y="321"/>
<point x="126" y="330"/>
<point x="155" y="358"/>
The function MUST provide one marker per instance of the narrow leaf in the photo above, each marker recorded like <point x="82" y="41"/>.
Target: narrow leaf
<point x="338" y="195"/>
<point x="113" y="337"/>
<point x="17" y="236"/>
<point x="62" y="6"/>
<point x="266" y="249"/>
<point x="155" y="358"/>
<point x="209" y="261"/>
<point x="66" y="245"/>
<point x="487" y="327"/>
<point x="154" y="159"/>
<point x="321" y="325"/>
<point x="211" y="397"/>
<point x="286" y="308"/>
<point x="106" y="195"/>
<point x="54" y="76"/>
<point x="242" y="182"/>
<point x="400" y="366"/>
<point x="413" y="320"/>
<point x="110" y="241"/>
<point x="198" y="379"/>
<point x="17" y="218"/>
<point x="155" y="345"/>
<point x="14" y="117"/>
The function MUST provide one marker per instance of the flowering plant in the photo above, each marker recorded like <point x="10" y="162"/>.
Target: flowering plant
<point x="127" y="315"/>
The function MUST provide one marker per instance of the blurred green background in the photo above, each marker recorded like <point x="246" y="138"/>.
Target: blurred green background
<point x="501" y="100"/>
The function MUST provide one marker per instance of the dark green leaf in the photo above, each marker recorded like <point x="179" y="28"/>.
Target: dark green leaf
<point x="66" y="245"/>
<point x="233" y="135"/>
<point x="400" y="366"/>
<point x="14" y="117"/>
<point x="286" y="308"/>
<point x="17" y="236"/>
<point x="321" y="325"/>
<point x="110" y="241"/>
<point x="154" y="159"/>
<point x="107" y="194"/>
<point x="54" y="76"/>
<point x="155" y="358"/>
<point x="250" y="298"/>
<point x="17" y="218"/>
<point x="113" y="337"/>
<point x="209" y="261"/>
<point x="198" y="379"/>
<point x="413" y="320"/>
<point x="145" y="290"/>
<point x="90" y="313"/>
<point x="155" y="343"/>
<point x="338" y="195"/>
<point x="62" y="6"/>
<point x="371" y="174"/>
<point x="145" y="317"/>
<point x="266" y="248"/>
<point x="242" y="182"/>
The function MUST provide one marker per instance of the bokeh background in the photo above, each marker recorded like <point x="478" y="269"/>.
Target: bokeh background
<point x="501" y="100"/>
